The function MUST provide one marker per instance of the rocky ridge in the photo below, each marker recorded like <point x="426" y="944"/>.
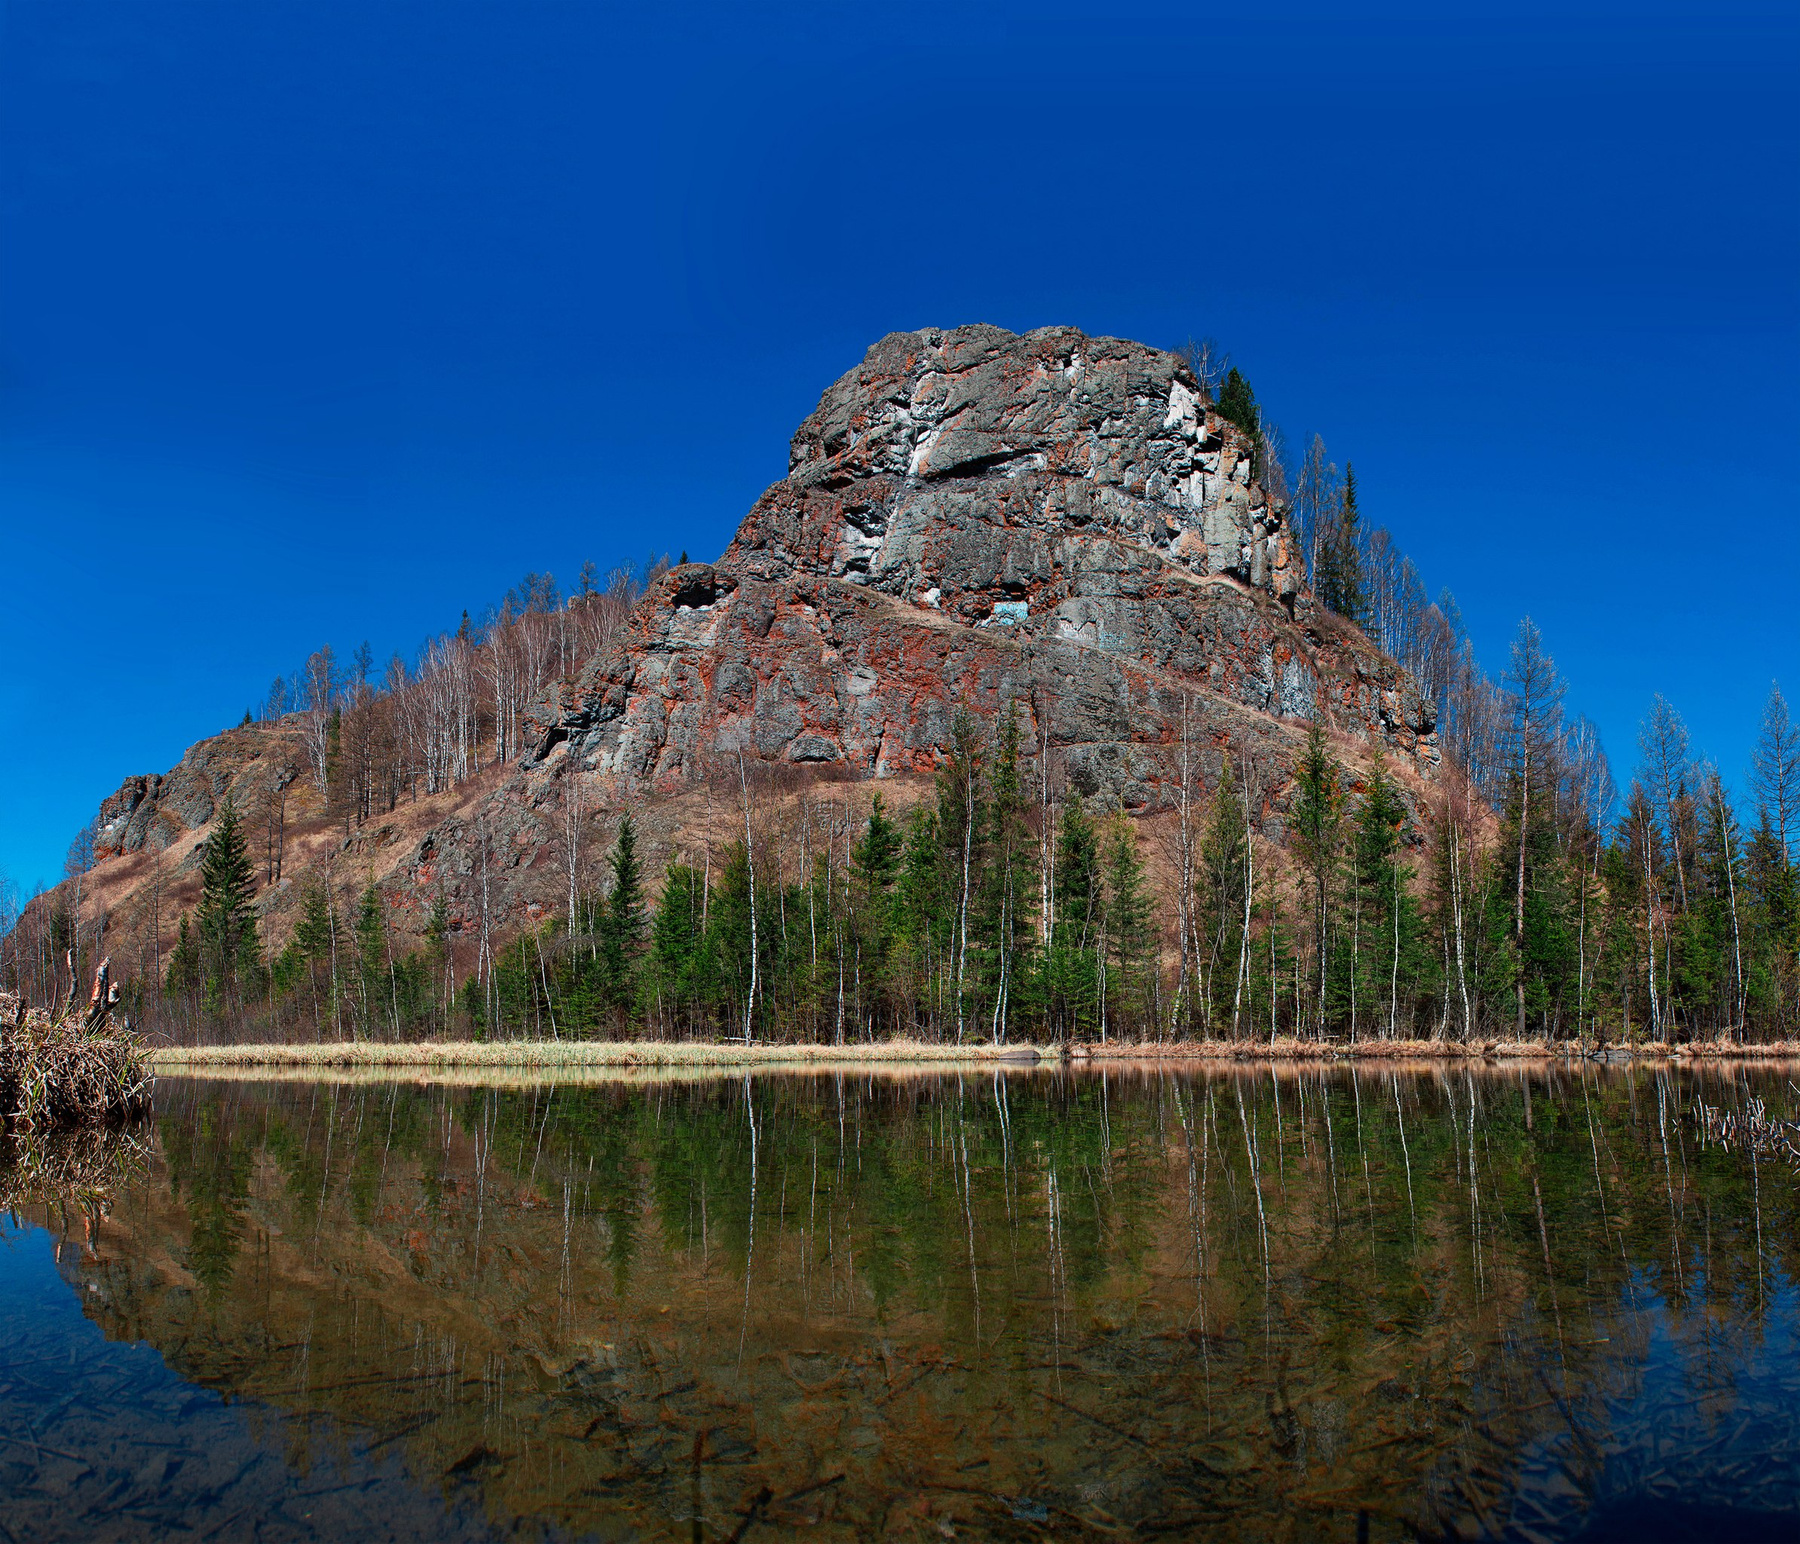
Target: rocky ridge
<point x="971" y="518"/>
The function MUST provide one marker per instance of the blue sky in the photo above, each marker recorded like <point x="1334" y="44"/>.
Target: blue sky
<point x="320" y="322"/>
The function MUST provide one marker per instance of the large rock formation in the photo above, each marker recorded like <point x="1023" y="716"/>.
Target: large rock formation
<point x="970" y="519"/>
<point x="975" y="517"/>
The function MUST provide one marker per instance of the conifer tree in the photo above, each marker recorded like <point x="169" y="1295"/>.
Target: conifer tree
<point x="229" y="950"/>
<point x="623" y="926"/>
<point x="1317" y="821"/>
<point x="1072" y="969"/>
<point x="1222" y="876"/>
<point x="1237" y="403"/>
<point x="1129" y="936"/>
<point x="1386" y="963"/>
<point x="1004" y="904"/>
<point x="437" y="948"/>
<point x="959" y="833"/>
<point x="877" y="863"/>
<point x="371" y="958"/>
<point x="316" y="942"/>
<point x="679" y="960"/>
<point x="184" y="962"/>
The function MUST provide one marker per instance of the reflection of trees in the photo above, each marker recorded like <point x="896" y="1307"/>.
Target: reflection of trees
<point x="209" y="1166"/>
<point x="1216" y="1296"/>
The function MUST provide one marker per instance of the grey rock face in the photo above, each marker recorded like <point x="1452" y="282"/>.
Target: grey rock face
<point x="157" y="809"/>
<point x="975" y="517"/>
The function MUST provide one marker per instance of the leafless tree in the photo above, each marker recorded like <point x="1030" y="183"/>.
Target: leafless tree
<point x="1775" y="768"/>
<point x="1668" y="770"/>
<point x="321" y="698"/>
<point x="1535" y="693"/>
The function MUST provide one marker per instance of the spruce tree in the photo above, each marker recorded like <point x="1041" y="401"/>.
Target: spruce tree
<point x="1237" y="403"/>
<point x="184" y="963"/>
<point x="1007" y="892"/>
<point x="876" y="861"/>
<point x="1222" y="874"/>
<point x="1340" y="578"/>
<point x="1351" y="602"/>
<point x="680" y="965"/>
<point x="1383" y="959"/>
<point x="371" y="957"/>
<point x="1317" y="816"/>
<point x="1072" y="970"/>
<point x="623" y="926"/>
<point x="315" y="932"/>
<point x="230" y="955"/>
<point x="1130" y="939"/>
<point x="437" y="949"/>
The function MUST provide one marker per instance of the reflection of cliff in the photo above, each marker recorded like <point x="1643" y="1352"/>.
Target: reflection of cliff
<point x="889" y="1302"/>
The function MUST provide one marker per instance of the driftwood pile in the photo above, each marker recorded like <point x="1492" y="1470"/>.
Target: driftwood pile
<point x="1750" y="1130"/>
<point x="75" y="1067"/>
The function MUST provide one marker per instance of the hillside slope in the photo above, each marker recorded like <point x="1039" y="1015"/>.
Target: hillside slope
<point x="971" y="519"/>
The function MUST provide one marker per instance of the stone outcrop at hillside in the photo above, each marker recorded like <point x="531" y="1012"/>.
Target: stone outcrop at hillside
<point x="970" y="518"/>
<point x="973" y="518"/>
<point x="156" y="810"/>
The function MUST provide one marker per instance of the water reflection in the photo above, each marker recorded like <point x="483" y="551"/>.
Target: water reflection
<point x="1292" y="1303"/>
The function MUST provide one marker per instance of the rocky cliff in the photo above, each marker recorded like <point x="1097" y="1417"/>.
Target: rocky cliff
<point x="974" y="518"/>
<point x="971" y="518"/>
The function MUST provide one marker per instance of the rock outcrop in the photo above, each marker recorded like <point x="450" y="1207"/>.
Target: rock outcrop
<point x="156" y="810"/>
<point x="973" y="518"/>
<point x="970" y="519"/>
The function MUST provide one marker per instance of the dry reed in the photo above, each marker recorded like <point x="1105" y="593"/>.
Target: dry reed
<point x="71" y="1068"/>
<point x="552" y="1055"/>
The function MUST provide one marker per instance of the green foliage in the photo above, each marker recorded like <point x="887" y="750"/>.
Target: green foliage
<point x="230" y="955"/>
<point x="183" y="974"/>
<point x="1339" y="581"/>
<point x="1237" y="403"/>
<point x="1398" y="915"/>
<point x="623" y="926"/>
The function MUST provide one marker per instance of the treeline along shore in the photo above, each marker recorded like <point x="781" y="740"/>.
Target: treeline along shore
<point x="1000" y="907"/>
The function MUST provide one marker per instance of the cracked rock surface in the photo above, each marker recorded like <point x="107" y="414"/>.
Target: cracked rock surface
<point x="975" y="517"/>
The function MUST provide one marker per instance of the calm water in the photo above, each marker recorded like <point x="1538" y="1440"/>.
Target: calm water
<point x="1291" y="1306"/>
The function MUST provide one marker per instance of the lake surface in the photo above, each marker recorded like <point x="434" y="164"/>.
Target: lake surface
<point x="1276" y="1305"/>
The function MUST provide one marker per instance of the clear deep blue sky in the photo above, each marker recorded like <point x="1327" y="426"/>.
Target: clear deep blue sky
<point x="320" y="322"/>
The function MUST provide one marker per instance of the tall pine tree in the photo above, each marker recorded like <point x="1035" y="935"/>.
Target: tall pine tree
<point x="230" y="955"/>
<point x="623" y="926"/>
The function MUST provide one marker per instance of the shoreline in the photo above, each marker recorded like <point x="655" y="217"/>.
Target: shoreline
<point x="553" y="1056"/>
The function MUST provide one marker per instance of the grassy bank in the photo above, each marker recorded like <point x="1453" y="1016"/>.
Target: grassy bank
<point x="1288" y="1050"/>
<point x="556" y="1057"/>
